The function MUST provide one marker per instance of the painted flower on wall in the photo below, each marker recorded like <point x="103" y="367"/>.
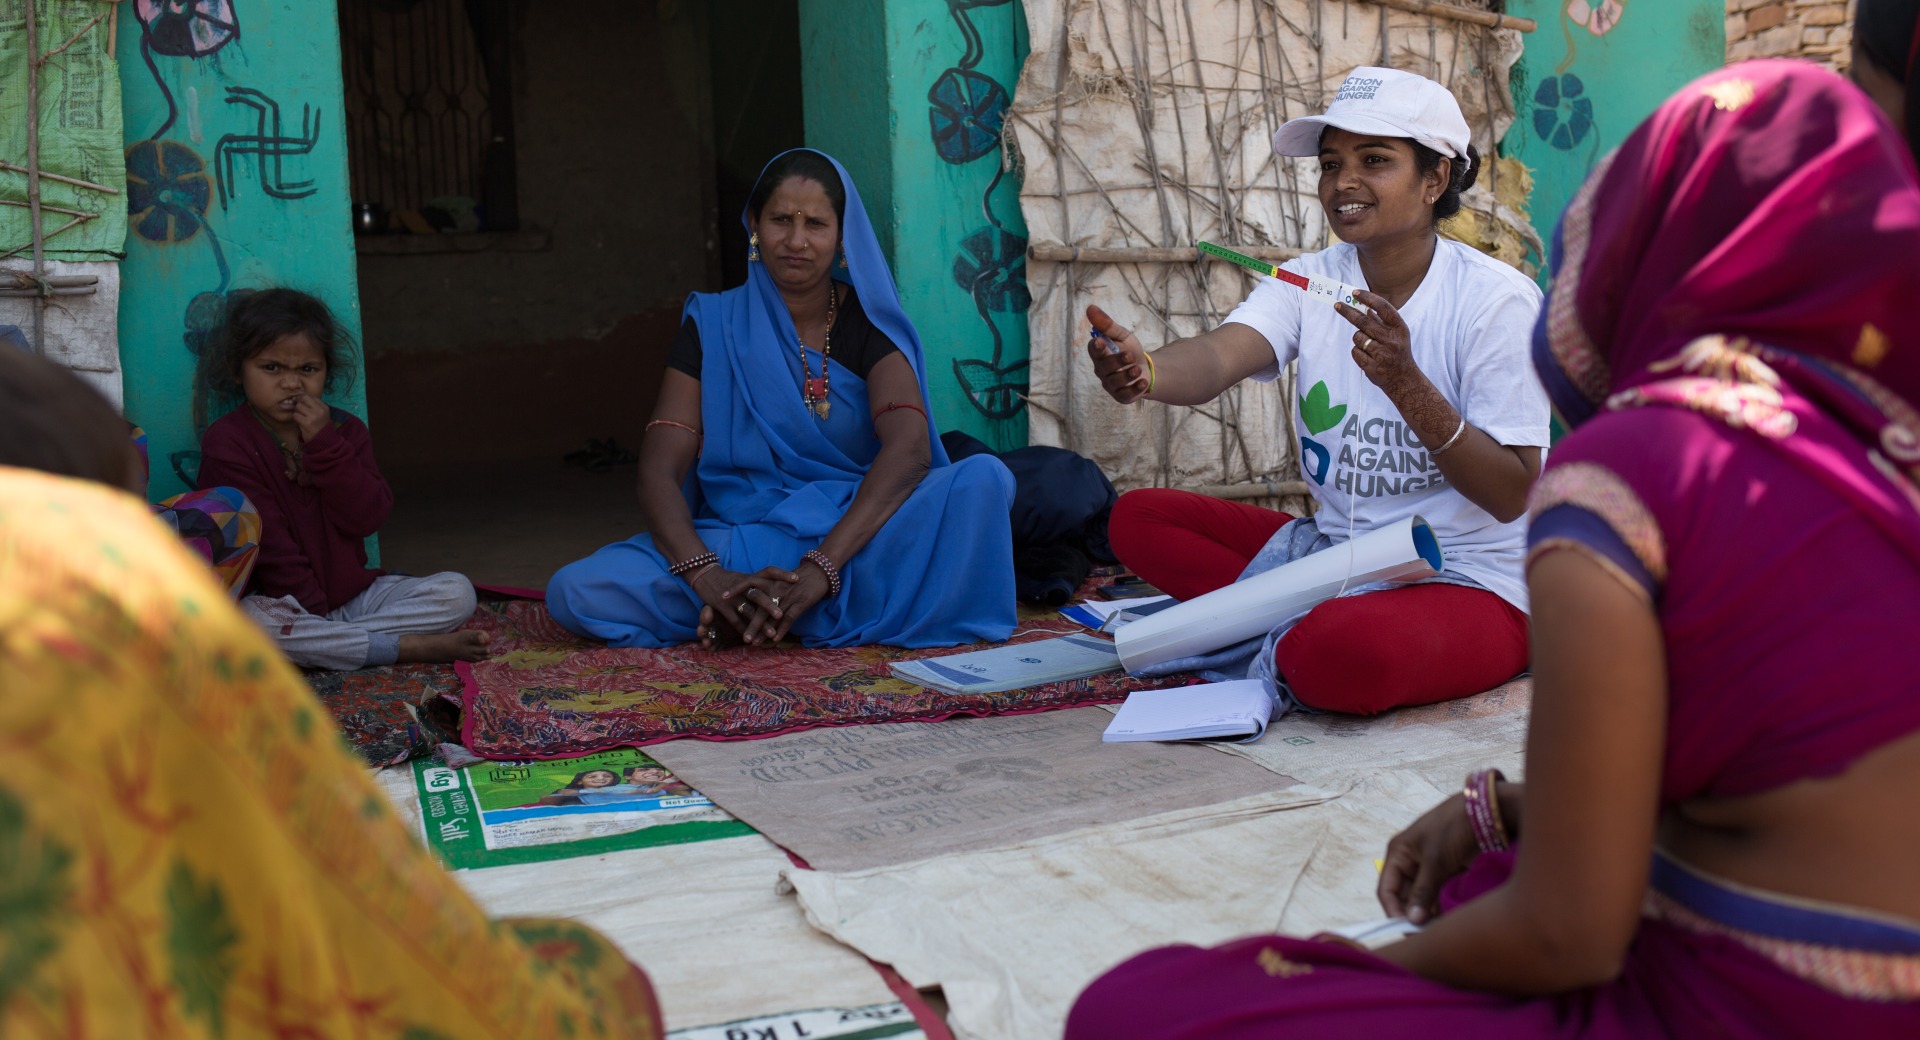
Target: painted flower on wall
<point x="1562" y="114"/>
<point x="967" y="111"/>
<point x="992" y="267"/>
<point x="1599" y="16"/>
<point x="167" y="191"/>
<point x="187" y="28"/>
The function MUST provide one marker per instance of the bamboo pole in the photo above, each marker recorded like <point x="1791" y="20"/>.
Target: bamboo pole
<point x="1145" y="254"/>
<point x="75" y="181"/>
<point x="1262" y="489"/>
<point x="1457" y="13"/>
<point x="33" y="178"/>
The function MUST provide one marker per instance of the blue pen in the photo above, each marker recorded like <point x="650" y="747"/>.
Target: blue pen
<point x="1102" y="337"/>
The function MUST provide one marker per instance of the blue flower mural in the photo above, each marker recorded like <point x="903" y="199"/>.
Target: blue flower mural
<point x="968" y="109"/>
<point x="1562" y="115"/>
<point x="992" y="266"/>
<point x="168" y="191"/>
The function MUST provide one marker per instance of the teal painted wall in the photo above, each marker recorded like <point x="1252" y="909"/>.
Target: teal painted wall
<point x="208" y="212"/>
<point x="910" y="94"/>
<point x="1591" y="72"/>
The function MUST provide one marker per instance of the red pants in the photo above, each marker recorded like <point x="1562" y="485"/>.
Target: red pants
<point x="1360" y="654"/>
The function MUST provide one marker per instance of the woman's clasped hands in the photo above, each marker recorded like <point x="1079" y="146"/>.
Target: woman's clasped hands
<point x="755" y="608"/>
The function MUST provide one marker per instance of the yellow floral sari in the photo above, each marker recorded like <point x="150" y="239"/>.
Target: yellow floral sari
<point x="187" y="848"/>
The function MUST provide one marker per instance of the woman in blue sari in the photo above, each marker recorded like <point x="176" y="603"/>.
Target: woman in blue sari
<point x="792" y="477"/>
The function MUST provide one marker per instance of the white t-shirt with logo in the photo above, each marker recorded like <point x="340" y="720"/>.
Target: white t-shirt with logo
<point x="1472" y="321"/>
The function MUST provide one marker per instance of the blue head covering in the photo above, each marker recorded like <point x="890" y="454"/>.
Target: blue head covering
<point x="762" y="443"/>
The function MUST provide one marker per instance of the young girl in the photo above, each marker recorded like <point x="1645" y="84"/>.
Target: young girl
<point x="310" y="470"/>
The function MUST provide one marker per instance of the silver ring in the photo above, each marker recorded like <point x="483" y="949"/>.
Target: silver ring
<point x="775" y="600"/>
<point x="740" y="607"/>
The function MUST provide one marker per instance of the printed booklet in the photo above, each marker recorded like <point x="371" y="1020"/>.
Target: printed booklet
<point x="1237" y="711"/>
<point x="495" y="813"/>
<point x="1015" y="666"/>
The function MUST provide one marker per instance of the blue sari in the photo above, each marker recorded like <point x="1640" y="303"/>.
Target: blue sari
<point x="772" y="480"/>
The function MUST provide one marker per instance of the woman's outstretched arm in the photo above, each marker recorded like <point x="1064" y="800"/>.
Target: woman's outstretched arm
<point x="1595" y="747"/>
<point x="1187" y="371"/>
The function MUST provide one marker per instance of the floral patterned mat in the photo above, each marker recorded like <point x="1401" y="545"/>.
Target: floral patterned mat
<point x="548" y="694"/>
<point x="394" y="713"/>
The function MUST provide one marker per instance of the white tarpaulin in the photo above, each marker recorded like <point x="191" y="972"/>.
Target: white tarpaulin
<point x="1148" y="124"/>
<point x="703" y="920"/>
<point x="1012" y="935"/>
<point x="1440" y="743"/>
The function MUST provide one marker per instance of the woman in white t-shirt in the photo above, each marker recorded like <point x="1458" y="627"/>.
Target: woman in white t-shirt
<point x="1422" y="402"/>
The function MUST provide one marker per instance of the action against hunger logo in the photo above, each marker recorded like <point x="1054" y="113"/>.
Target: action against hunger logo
<point x="1377" y="456"/>
<point x="1358" y="88"/>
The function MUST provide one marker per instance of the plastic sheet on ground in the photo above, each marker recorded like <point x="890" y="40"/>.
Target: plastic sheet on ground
<point x="1012" y="935"/>
<point x="705" y="921"/>
<point x="1440" y="743"/>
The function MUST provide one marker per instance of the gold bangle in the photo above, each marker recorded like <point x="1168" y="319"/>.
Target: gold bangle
<point x="1153" y="375"/>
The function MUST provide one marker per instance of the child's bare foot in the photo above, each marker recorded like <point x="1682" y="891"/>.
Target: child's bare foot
<point x="464" y="645"/>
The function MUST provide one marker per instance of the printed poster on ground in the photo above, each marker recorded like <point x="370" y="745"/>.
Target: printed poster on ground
<point x="496" y="813"/>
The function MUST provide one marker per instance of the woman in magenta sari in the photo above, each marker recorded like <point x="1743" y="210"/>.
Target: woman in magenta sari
<point x="1725" y="575"/>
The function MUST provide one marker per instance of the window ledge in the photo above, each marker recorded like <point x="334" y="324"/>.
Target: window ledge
<point x="476" y="242"/>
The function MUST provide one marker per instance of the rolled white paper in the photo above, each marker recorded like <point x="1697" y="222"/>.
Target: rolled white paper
<point x="1403" y="551"/>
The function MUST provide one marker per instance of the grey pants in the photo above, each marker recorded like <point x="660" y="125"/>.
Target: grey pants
<point x="366" y="630"/>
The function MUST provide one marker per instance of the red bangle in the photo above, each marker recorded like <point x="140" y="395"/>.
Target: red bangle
<point x="900" y="404"/>
<point x="1483" y="810"/>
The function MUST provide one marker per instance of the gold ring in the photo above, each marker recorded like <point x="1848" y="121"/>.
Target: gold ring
<point x="1366" y="341"/>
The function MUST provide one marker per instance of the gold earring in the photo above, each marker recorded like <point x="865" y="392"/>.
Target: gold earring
<point x="843" y="261"/>
<point x="753" y="247"/>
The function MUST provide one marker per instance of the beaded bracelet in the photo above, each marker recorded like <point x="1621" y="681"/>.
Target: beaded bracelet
<point x="693" y="561"/>
<point x="827" y="567"/>
<point x="1451" y="441"/>
<point x="1483" y="810"/>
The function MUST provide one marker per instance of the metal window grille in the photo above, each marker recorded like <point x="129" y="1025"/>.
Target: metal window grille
<point x="427" y="99"/>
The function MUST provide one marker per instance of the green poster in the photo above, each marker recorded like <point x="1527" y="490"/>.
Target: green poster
<point x="496" y="813"/>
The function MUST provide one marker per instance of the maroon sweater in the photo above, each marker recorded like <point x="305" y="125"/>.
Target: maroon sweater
<point x="312" y="532"/>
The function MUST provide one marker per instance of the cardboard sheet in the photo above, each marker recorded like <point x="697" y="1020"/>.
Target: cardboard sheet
<point x="867" y="796"/>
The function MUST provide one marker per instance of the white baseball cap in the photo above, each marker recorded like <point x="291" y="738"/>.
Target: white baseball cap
<point x="1384" y="103"/>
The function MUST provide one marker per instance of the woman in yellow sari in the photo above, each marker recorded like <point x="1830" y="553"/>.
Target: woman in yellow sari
<point x="187" y="848"/>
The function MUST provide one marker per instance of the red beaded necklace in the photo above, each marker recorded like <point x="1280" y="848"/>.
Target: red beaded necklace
<point x="813" y="391"/>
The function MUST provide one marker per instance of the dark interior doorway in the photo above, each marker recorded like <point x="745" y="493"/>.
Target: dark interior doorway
<point x="757" y="109"/>
<point x="568" y="173"/>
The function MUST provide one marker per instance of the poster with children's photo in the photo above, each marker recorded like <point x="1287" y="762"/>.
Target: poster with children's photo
<point x="495" y="813"/>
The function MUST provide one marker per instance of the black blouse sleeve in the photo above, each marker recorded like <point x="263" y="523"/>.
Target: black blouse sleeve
<point x="866" y="346"/>
<point x="685" y="352"/>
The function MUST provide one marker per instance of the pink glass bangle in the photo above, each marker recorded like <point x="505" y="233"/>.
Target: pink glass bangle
<point x="693" y="562"/>
<point x="1483" y="810"/>
<point x="827" y="567"/>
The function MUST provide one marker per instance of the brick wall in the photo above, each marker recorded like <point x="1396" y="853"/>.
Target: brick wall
<point x="1818" y="30"/>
